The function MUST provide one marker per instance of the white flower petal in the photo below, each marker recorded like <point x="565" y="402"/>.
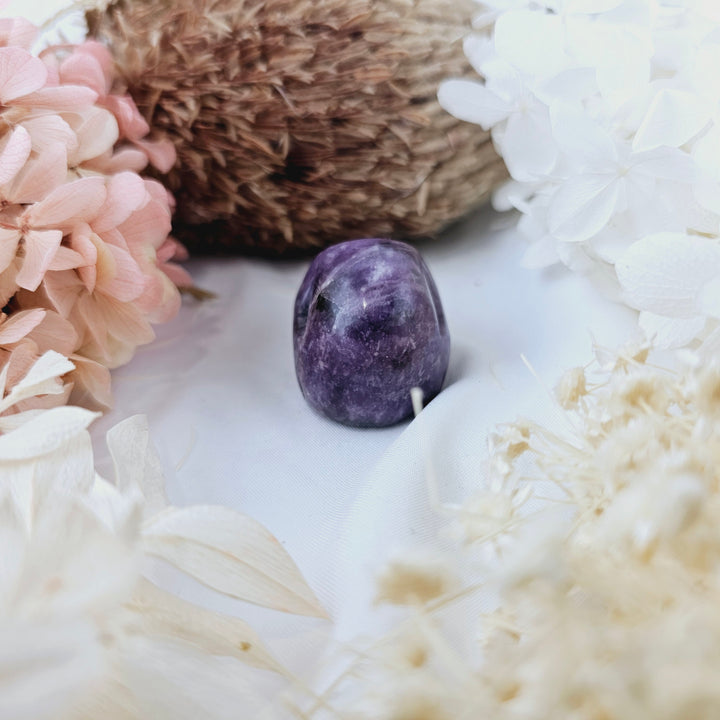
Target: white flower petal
<point x="664" y="273"/>
<point x="45" y="668"/>
<point x="665" y="332"/>
<point x="588" y="145"/>
<point x="582" y="207"/>
<point x="710" y="346"/>
<point x="231" y="553"/>
<point x="136" y="461"/>
<point x="161" y="614"/>
<point x="706" y="152"/>
<point x="652" y="206"/>
<point x="531" y="41"/>
<point x="40" y="379"/>
<point x="707" y="194"/>
<point x="622" y="74"/>
<point x="473" y="102"/>
<point x="705" y="83"/>
<point x="664" y="164"/>
<point x="174" y="681"/>
<point x="478" y="48"/>
<point x="120" y="512"/>
<point x="46" y="433"/>
<point x="709" y="297"/>
<point x="673" y="118"/>
<point x="592" y="6"/>
<point x="48" y="366"/>
<point x="612" y="241"/>
<point x="573" y="85"/>
<point x="528" y="146"/>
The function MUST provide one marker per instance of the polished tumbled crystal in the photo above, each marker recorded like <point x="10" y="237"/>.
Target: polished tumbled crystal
<point x="368" y="328"/>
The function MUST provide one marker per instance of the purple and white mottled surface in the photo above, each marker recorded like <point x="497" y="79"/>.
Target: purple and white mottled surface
<point x="368" y="327"/>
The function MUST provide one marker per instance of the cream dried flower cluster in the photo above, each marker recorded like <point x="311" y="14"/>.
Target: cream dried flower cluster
<point x="83" y="634"/>
<point x="607" y="114"/>
<point x="84" y="247"/>
<point x="592" y="589"/>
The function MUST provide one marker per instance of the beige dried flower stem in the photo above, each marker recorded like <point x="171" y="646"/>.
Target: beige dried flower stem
<point x="299" y="123"/>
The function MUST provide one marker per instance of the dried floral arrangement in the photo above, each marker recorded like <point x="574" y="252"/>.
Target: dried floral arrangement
<point x="606" y="114"/>
<point x="86" y="260"/>
<point x="590" y="587"/>
<point x="300" y="124"/>
<point x="83" y="633"/>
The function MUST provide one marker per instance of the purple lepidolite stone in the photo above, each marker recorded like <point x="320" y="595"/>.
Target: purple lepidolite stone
<point x="368" y="327"/>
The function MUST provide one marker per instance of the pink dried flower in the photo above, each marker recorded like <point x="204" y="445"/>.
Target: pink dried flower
<point x="85" y="253"/>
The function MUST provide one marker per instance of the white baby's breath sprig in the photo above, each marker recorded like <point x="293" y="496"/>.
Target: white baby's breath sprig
<point x="607" y="114"/>
<point x="605" y="601"/>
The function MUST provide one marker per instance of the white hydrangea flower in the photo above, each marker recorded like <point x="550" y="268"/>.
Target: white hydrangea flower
<point x="607" y="113"/>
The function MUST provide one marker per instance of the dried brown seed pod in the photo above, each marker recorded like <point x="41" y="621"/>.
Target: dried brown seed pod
<point x="299" y="123"/>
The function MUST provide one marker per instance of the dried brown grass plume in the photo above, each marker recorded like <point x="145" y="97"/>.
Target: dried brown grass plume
<point x="299" y="123"/>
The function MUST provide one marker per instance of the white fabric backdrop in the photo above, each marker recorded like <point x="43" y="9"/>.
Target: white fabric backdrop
<point x="232" y="428"/>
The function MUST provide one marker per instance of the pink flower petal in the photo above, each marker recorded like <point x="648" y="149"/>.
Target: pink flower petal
<point x="125" y="282"/>
<point x="47" y="131"/>
<point x="20" y="74"/>
<point x="124" y="159"/>
<point x="19" y="324"/>
<point x="66" y="259"/>
<point x="132" y="124"/>
<point x="55" y="333"/>
<point x="88" y="274"/>
<point x="68" y="205"/>
<point x="178" y="275"/>
<point x="150" y="225"/>
<point x="40" y="248"/>
<point x="97" y="133"/>
<point x="126" y="323"/>
<point x="53" y="67"/>
<point x="9" y="240"/>
<point x="81" y="241"/>
<point x="62" y="290"/>
<point x="88" y="319"/>
<point x="101" y="54"/>
<point x="39" y="177"/>
<point x="21" y="360"/>
<point x="83" y="68"/>
<point x="17" y="32"/>
<point x="91" y="384"/>
<point x="126" y="193"/>
<point x="8" y="286"/>
<point x="115" y="237"/>
<point x="64" y="98"/>
<point x="171" y="249"/>
<point x="15" y="151"/>
<point x="161" y="153"/>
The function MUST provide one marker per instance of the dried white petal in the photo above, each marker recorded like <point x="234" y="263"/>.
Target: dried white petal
<point x="231" y="553"/>
<point x="673" y="118"/>
<point x="664" y="273"/>
<point x="40" y="379"/>
<point x="136" y="462"/>
<point x="158" y="613"/>
<point x="473" y="102"/>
